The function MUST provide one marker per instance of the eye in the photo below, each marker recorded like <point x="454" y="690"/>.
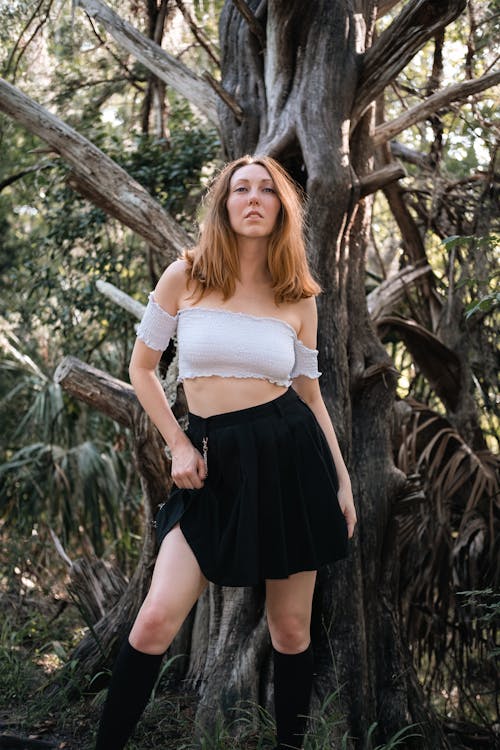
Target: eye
<point x="269" y="190"/>
<point x="239" y="189"/>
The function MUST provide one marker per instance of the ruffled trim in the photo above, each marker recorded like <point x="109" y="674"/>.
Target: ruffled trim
<point x="188" y="376"/>
<point x="306" y="361"/>
<point x="157" y="326"/>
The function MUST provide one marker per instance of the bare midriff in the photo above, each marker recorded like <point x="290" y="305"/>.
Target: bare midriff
<point x="214" y="394"/>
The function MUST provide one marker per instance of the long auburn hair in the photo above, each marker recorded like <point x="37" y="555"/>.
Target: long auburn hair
<point x="214" y="263"/>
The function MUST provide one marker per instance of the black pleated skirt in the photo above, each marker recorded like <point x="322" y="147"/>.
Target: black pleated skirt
<point x="269" y="504"/>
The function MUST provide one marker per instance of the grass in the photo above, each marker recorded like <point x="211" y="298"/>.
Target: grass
<point x="39" y="628"/>
<point x="36" y="638"/>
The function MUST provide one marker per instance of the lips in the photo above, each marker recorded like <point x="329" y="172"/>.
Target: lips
<point x="253" y="213"/>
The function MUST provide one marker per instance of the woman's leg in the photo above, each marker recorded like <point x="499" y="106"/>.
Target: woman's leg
<point x="176" y="585"/>
<point x="289" y="604"/>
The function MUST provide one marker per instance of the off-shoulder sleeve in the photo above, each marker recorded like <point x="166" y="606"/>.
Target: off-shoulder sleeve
<point x="306" y="361"/>
<point x="157" y="326"/>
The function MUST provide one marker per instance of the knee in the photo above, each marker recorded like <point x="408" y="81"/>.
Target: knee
<point x="154" y="630"/>
<point x="290" y="634"/>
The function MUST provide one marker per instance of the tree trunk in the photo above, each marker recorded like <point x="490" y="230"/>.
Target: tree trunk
<point x="297" y="111"/>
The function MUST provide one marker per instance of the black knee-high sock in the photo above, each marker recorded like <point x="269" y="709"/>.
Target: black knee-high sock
<point x="133" y="679"/>
<point x="293" y="675"/>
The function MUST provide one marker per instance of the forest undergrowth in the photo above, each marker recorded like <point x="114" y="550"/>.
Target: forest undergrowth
<point x="40" y="626"/>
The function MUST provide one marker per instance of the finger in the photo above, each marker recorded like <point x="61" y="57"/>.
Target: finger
<point x="183" y="482"/>
<point x="201" y="468"/>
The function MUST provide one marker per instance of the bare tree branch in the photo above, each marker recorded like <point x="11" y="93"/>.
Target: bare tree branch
<point x="385" y="6"/>
<point x="150" y="54"/>
<point x="7" y="69"/>
<point x="383" y="298"/>
<point x="97" y="176"/>
<point x="418" y="22"/>
<point x="121" y="298"/>
<point x="19" y="175"/>
<point x="225" y="96"/>
<point x="400" y="151"/>
<point x="380" y="178"/>
<point x="111" y="396"/>
<point x="254" y="24"/>
<point x="198" y="33"/>
<point x="454" y="93"/>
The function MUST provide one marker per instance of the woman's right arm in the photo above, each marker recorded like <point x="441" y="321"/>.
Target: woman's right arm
<point x="188" y="467"/>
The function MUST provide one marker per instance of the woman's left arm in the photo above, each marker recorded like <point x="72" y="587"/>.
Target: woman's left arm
<point x="309" y="391"/>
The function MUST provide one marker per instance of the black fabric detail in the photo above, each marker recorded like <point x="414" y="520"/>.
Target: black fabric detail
<point x="293" y="674"/>
<point x="132" y="681"/>
<point x="269" y="505"/>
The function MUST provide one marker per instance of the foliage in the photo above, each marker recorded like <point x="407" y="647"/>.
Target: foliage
<point x="448" y="537"/>
<point x="54" y="245"/>
<point x="445" y="216"/>
<point x="53" y="248"/>
<point x="72" y="244"/>
<point x="58" y="477"/>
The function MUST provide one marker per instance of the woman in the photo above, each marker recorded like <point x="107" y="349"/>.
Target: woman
<point x="261" y="491"/>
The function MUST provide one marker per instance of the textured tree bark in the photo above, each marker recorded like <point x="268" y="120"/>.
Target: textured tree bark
<point x="299" y="111"/>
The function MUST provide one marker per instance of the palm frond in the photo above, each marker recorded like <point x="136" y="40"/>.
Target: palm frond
<point x="448" y="536"/>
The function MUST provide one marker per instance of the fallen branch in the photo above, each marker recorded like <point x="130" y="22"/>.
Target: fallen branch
<point x="98" y="389"/>
<point x="116" y="399"/>
<point x="381" y="300"/>
<point x="94" y="585"/>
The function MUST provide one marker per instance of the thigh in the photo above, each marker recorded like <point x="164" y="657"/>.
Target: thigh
<point x="176" y="584"/>
<point x="290" y="597"/>
<point x="177" y="578"/>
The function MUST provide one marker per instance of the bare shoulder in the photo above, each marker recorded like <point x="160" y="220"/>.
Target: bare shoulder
<point x="307" y="310"/>
<point x="172" y="286"/>
<point x="308" y="315"/>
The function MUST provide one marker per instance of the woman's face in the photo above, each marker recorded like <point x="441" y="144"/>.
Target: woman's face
<point x="252" y="203"/>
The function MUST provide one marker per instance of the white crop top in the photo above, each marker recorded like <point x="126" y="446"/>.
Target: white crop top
<point x="213" y="341"/>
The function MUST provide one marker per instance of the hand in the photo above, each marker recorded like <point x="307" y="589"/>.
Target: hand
<point x="188" y="466"/>
<point x="346" y="503"/>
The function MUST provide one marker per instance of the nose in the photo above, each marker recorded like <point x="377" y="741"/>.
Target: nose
<point x="253" y="197"/>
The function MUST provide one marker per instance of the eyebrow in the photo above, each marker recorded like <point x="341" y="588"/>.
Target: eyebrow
<point x="244" y="179"/>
